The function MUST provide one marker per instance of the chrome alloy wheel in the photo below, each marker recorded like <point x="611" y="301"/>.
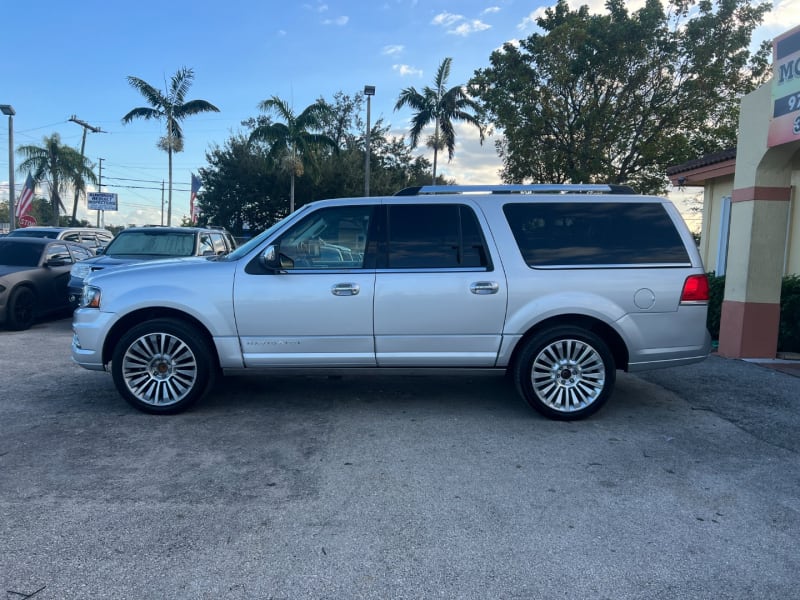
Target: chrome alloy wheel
<point x="568" y="375"/>
<point x="159" y="369"/>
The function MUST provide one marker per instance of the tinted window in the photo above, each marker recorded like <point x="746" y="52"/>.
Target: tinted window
<point x="434" y="236"/>
<point x="603" y="233"/>
<point x="80" y="253"/>
<point x="19" y="255"/>
<point x="58" y="252"/>
<point x="330" y="238"/>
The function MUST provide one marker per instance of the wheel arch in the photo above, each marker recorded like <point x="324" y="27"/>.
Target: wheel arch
<point x="147" y="314"/>
<point x="608" y="334"/>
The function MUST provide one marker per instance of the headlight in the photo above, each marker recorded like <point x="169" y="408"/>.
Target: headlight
<point x="80" y="271"/>
<point x="90" y="297"/>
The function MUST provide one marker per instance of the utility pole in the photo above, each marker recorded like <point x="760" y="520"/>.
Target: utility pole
<point x="100" y="187"/>
<point x="86" y="127"/>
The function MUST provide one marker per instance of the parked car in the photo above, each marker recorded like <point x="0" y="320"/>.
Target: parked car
<point x="91" y="237"/>
<point x="557" y="285"/>
<point x="137" y="244"/>
<point x="33" y="278"/>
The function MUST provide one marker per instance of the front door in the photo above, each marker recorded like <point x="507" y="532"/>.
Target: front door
<point x="317" y="311"/>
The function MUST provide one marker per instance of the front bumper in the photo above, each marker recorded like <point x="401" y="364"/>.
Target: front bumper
<point x="89" y="330"/>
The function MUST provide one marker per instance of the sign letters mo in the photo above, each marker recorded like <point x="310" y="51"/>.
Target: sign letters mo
<point x="102" y="201"/>
<point x="784" y="124"/>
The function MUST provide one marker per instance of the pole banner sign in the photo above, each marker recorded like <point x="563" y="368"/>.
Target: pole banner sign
<point x="784" y="126"/>
<point x="102" y="201"/>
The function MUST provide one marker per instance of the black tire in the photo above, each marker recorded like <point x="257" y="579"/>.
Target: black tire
<point x="163" y="366"/>
<point x="565" y="373"/>
<point x="21" y="309"/>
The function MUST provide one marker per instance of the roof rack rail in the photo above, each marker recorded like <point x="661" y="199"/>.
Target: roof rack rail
<point x="534" y="188"/>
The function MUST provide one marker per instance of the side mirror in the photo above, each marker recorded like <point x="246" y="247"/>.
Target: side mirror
<point x="56" y="262"/>
<point x="99" y="250"/>
<point x="271" y="258"/>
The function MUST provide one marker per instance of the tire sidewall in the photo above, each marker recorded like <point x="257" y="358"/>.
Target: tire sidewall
<point x="524" y="366"/>
<point x="24" y="295"/>
<point x="178" y="329"/>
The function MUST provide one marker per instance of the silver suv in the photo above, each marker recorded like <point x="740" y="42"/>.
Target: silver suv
<point x="91" y="237"/>
<point x="557" y="285"/>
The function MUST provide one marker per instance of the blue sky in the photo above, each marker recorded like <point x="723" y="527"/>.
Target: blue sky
<point x="72" y="58"/>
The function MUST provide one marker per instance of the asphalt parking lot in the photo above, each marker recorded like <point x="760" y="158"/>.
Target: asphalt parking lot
<point x="687" y="485"/>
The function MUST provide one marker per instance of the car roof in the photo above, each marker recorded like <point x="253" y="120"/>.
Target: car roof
<point x="166" y="228"/>
<point x="37" y="241"/>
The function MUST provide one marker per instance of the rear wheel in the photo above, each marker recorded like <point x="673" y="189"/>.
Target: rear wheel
<point x="21" y="309"/>
<point x="565" y="373"/>
<point x="162" y="366"/>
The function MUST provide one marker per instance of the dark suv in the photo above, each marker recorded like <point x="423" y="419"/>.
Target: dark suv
<point x="138" y="244"/>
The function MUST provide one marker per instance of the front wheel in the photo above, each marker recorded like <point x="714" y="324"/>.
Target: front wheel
<point x="162" y="366"/>
<point x="565" y="373"/>
<point x="21" y="309"/>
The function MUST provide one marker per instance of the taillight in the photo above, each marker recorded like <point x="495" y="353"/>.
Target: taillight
<point x="695" y="289"/>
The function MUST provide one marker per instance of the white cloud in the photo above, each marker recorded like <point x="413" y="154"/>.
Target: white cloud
<point x="405" y="70"/>
<point x="393" y="49"/>
<point x="466" y="29"/>
<point x="337" y="21"/>
<point x="784" y="13"/>
<point x="446" y="19"/>
<point x="458" y="24"/>
<point x="490" y="10"/>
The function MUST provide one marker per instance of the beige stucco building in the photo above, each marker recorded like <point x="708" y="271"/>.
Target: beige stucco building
<point x="751" y="221"/>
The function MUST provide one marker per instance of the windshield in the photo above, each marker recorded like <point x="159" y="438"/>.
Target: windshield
<point x="155" y="243"/>
<point x="19" y="255"/>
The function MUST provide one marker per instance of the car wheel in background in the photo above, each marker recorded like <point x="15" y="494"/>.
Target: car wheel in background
<point x="565" y="373"/>
<point x="21" y="309"/>
<point x="162" y="366"/>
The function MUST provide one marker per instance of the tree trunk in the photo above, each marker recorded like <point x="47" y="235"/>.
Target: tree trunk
<point x="169" y="196"/>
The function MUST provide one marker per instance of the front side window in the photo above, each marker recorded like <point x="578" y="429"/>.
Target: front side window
<point x="80" y="253"/>
<point x="565" y="234"/>
<point x="329" y="238"/>
<point x="434" y="236"/>
<point x="58" y="252"/>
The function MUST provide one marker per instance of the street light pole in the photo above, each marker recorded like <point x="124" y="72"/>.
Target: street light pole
<point x="369" y="92"/>
<point x="7" y="109"/>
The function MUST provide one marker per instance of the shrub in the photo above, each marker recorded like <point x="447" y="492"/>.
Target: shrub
<point x="789" y="332"/>
<point x="789" y="328"/>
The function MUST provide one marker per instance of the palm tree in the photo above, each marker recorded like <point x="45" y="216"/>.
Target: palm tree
<point x="171" y="107"/>
<point x="58" y="165"/>
<point x="293" y="142"/>
<point x="440" y="106"/>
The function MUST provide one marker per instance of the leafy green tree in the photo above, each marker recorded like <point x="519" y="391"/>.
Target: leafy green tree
<point x="60" y="166"/>
<point x="241" y="188"/>
<point x="440" y="106"/>
<point x="295" y="142"/>
<point x="171" y="107"/>
<point x="618" y="97"/>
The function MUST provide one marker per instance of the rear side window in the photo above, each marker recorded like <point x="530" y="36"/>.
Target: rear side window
<point x="594" y="234"/>
<point x="435" y="236"/>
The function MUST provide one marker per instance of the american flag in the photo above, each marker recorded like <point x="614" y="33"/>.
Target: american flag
<point x="195" y="187"/>
<point x="25" y="198"/>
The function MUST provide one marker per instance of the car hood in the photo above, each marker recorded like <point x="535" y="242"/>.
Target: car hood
<point x="102" y="264"/>
<point x="10" y="269"/>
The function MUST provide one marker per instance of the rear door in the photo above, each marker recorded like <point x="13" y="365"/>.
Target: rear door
<point x="440" y="293"/>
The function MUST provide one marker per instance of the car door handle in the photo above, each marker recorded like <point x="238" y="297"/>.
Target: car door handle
<point x="484" y="287"/>
<point x="345" y="289"/>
